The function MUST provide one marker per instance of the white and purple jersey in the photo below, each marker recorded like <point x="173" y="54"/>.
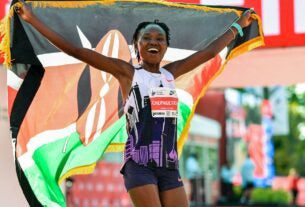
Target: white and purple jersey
<point x="151" y="111"/>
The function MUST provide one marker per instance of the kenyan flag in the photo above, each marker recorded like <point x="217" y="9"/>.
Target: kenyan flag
<point x="64" y="114"/>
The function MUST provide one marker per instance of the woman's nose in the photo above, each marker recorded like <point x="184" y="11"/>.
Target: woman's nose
<point x="153" y="42"/>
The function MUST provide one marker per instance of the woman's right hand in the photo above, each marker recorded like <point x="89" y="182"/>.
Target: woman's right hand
<point x="245" y="20"/>
<point x="24" y="11"/>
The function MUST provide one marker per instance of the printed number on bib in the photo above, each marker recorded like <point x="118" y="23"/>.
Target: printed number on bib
<point x="164" y="102"/>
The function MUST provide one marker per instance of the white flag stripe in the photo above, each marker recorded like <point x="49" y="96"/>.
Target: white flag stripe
<point x="13" y="80"/>
<point x="60" y="58"/>
<point x="57" y="59"/>
<point x="174" y="54"/>
<point x="26" y="160"/>
<point x="41" y="139"/>
<point x="185" y="97"/>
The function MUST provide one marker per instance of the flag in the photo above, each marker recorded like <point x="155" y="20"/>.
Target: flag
<point x="64" y="114"/>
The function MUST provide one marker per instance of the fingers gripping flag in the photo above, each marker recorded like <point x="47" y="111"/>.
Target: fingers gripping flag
<point x="64" y="114"/>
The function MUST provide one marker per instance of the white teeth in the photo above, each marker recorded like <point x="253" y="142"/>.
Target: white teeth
<point x="153" y="50"/>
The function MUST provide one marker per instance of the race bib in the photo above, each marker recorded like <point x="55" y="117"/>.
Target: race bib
<point x="164" y="102"/>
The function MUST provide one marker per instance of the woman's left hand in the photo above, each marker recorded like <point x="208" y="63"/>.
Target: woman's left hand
<point x="245" y="19"/>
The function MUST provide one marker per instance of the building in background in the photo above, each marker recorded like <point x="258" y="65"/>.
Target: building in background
<point x="202" y="148"/>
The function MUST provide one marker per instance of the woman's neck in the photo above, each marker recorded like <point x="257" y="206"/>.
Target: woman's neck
<point x="154" y="68"/>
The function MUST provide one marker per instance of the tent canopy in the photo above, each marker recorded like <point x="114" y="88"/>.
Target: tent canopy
<point x="205" y="127"/>
<point x="264" y="67"/>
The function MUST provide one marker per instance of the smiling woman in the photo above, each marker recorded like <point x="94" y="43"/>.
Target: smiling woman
<point x="154" y="38"/>
<point x="151" y="165"/>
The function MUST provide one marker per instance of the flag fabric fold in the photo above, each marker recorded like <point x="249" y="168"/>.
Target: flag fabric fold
<point x="64" y="114"/>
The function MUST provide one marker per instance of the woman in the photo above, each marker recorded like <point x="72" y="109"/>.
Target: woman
<point x="151" y="163"/>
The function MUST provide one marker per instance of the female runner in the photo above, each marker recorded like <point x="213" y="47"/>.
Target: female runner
<point x="150" y="171"/>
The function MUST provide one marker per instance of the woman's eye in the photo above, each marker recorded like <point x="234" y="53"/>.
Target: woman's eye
<point x="158" y="39"/>
<point x="146" y="38"/>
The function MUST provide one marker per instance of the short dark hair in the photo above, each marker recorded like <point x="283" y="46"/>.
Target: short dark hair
<point x="143" y="25"/>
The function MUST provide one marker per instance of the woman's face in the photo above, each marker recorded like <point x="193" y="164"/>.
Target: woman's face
<point x="152" y="44"/>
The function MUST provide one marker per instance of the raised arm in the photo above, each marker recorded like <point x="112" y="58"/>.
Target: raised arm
<point x="120" y="69"/>
<point x="183" y="66"/>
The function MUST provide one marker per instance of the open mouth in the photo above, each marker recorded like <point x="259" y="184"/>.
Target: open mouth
<point x="153" y="50"/>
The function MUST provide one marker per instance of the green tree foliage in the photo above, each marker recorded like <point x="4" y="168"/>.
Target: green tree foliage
<point x="290" y="149"/>
<point x="269" y="196"/>
<point x="253" y="115"/>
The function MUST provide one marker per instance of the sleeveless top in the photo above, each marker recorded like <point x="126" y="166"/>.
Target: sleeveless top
<point x="152" y="129"/>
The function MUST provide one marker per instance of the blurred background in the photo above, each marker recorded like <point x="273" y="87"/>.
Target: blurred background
<point x="246" y="142"/>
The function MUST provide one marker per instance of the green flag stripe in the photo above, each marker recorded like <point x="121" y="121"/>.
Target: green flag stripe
<point x="44" y="176"/>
